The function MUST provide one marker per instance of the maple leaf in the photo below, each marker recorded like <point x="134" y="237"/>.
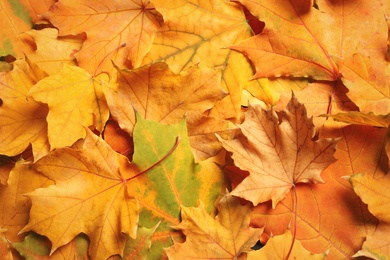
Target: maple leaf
<point x="102" y="205"/>
<point x="22" y="120"/>
<point x="13" y="205"/>
<point x="15" y="20"/>
<point x="197" y="33"/>
<point x="75" y="99"/>
<point x="53" y="52"/>
<point x="156" y="93"/>
<point x="278" y="155"/>
<point x="108" y="25"/>
<point x="177" y="181"/>
<point x="227" y="236"/>
<point x="331" y="216"/>
<point x="278" y="247"/>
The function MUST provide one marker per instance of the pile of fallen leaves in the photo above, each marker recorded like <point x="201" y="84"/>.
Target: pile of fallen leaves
<point x="208" y="129"/>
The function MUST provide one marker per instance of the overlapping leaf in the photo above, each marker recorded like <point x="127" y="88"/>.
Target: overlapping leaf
<point x="156" y="93"/>
<point x="15" y="20"/>
<point x="226" y="236"/>
<point x="22" y="120"/>
<point x="75" y="100"/>
<point x="108" y="25"/>
<point x="198" y="33"/>
<point x="328" y="214"/>
<point x="102" y="208"/>
<point x="278" y="155"/>
<point x="53" y="52"/>
<point x="278" y="247"/>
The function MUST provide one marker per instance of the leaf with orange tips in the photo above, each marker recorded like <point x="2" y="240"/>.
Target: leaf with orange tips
<point x="227" y="236"/>
<point x="278" y="247"/>
<point x="75" y="100"/>
<point x="22" y="120"/>
<point x="52" y="52"/>
<point x="107" y="24"/>
<point x="95" y="198"/>
<point x="278" y="155"/>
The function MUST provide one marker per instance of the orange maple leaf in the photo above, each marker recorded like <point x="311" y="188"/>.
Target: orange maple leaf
<point x="278" y="155"/>
<point x="331" y="216"/>
<point x="226" y="236"/>
<point x="108" y="24"/>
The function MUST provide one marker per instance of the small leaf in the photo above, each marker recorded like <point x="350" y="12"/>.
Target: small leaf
<point x="226" y="236"/>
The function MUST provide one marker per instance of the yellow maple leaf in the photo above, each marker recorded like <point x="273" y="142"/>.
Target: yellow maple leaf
<point x="278" y="247"/>
<point x="90" y="196"/>
<point x="52" y="52"/>
<point x="227" y="236"/>
<point x="22" y="120"/>
<point x="75" y="100"/>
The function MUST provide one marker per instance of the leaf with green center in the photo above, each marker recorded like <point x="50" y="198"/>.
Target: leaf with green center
<point x="75" y="100"/>
<point x="176" y="182"/>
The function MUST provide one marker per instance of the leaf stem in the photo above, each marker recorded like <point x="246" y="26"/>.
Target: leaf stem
<point x="295" y="205"/>
<point x="159" y="161"/>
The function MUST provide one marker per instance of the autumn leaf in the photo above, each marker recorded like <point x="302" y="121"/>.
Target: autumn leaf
<point x="278" y="247"/>
<point x="227" y="236"/>
<point x="14" y="207"/>
<point x="358" y="118"/>
<point x="139" y="248"/>
<point x="278" y="155"/>
<point x="331" y="216"/>
<point x="372" y="189"/>
<point x="108" y="25"/>
<point x="75" y="99"/>
<point x="102" y="207"/>
<point x="52" y="52"/>
<point x="197" y="33"/>
<point x="22" y="120"/>
<point x="156" y="93"/>
<point x="38" y="247"/>
<point x="176" y="182"/>
<point x="15" y="20"/>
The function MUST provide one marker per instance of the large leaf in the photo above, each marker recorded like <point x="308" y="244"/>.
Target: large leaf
<point x="331" y="216"/>
<point x="95" y="198"/>
<point x="108" y="25"/>
<point x="278" y="155"/>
